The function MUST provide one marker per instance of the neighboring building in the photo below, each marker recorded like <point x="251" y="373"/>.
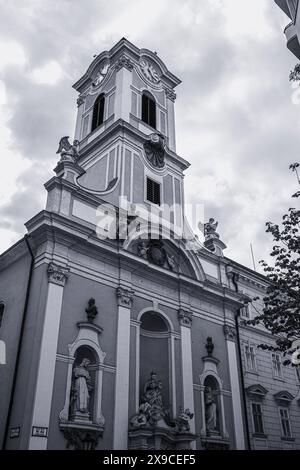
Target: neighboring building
<point x="292" y="30"/>
<point x="123" y="335"/>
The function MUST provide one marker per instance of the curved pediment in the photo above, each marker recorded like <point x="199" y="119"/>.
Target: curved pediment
<point x="168" y="253"/>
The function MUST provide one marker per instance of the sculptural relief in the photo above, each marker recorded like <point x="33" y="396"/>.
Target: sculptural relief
<point x="155" y="150"/>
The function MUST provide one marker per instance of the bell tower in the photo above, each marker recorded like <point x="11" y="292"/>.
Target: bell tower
<point x="126" y="132"/>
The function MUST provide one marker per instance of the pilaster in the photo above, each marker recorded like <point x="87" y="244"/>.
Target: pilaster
<point x="185" y="320"/>
<point x="124" y="301"/>
<point x="231" y="338"/>
<point x="57" y="276"/>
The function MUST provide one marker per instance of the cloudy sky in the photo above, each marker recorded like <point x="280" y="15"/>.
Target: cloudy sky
<point x="237" y="121"/>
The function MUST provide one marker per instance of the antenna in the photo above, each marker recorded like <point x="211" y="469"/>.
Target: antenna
<point x="252" y="254"/>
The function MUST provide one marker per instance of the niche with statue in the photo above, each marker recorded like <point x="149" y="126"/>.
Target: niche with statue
<point x="81" y="419"/>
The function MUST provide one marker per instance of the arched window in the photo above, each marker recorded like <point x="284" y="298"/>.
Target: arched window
<point x="149" y="109"/>
<point x="1" y="313"/>
<point x="98" y="112"/>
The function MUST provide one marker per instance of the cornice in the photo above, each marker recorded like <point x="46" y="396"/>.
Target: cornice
<point x="68" y="231"/>
<point x="122" y="126"/>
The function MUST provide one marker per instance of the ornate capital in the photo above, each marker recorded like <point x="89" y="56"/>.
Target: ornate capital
<point x="229" y="332"/>
<point x="185" y="317"/>
<point x="125" y="297"/>
<point x="170" y="94"/>
<point x="57" y="274"/>
<point x="124" y="61"/>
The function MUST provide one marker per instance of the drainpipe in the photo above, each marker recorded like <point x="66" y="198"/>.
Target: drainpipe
<point x="237" y="326"/>
<point x="18" y="356"/>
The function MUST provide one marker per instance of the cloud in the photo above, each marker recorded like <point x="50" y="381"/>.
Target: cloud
<point x="236" y="122"/>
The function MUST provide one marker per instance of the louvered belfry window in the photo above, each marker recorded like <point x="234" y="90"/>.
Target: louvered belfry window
<point x="153" y="191"/>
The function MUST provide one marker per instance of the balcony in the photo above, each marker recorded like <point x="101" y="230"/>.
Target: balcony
<point x="292" y="39"/>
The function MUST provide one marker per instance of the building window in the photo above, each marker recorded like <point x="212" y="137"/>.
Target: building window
<point x="245" y="311"/>
<point x="153" y="191"/>
<point x="257" y="417"/>
<point x="1" y="313"/>
<point x="276" y="363"/>
<point x="148" y="110"/>
<point x="98" y="112"/>
<point x="285" y="422"/>
<point x="250" y="358"/>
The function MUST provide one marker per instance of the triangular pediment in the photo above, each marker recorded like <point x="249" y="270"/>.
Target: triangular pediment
<point x="256" y="391"/>
<point x="283" y="397"/>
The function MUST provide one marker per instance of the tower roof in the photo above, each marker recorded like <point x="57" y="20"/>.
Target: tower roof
<point x="126" y="50"/>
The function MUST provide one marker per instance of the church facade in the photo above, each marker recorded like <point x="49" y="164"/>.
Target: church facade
<point x="122" y="329"/>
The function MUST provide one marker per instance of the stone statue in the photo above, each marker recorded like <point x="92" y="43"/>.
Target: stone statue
<point x="143" y="250"/>
<point x="182" y="424"/>
<point x="210" y="410"/>
<point x="151" y="410"/>
<point x="91" y="310"/>
<point x="67" y="151"/>
<point x="171" y="262"/>
<point x="152" y="391"/>
<point x="210" y="228"/>
<point x="209" y="346"/>
<point x="82" y="387"/>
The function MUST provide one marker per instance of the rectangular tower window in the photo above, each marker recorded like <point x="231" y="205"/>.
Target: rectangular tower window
<point x="257" y="417"/>
<point x="285" y="422"/>
<point x="153" y="191"/>
<point x="276" y="362"/>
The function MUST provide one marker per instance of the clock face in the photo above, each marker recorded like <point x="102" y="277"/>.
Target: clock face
<point x="100" y="75"/>
<point x="149" y="71"/>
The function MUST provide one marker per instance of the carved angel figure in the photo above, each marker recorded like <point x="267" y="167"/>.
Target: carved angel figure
<point x="210" y="228"/>
<point x="67" y="151"/>
<point x="182" y="424"/>
<point x="143" y="250"/>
